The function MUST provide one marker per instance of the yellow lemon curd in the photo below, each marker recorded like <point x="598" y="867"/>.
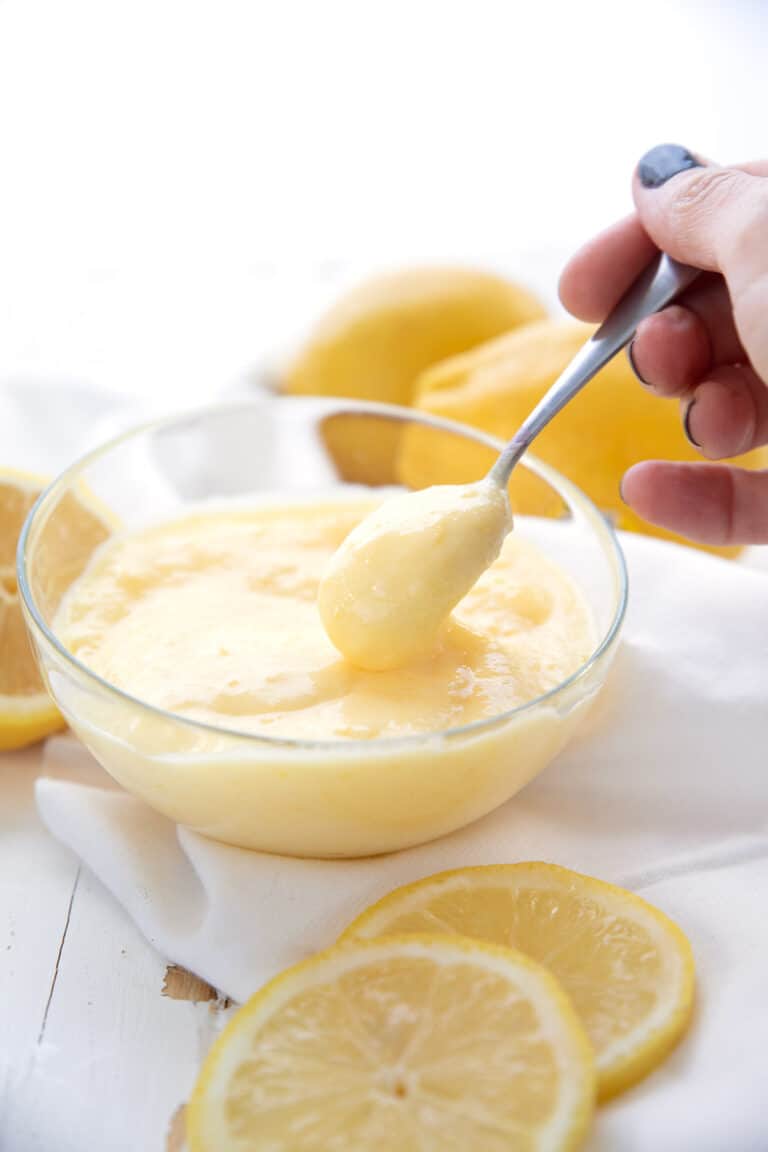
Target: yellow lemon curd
<point x="389" y="588"/>
<point x="215" y="618"/>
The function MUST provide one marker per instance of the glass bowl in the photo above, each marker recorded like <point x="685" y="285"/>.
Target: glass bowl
<point x="324" y="798"/>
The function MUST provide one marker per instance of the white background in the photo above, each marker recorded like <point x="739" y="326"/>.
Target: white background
<point x="184" y="182"/>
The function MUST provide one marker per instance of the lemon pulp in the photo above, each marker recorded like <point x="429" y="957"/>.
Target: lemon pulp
<point x="411" y="1043"/>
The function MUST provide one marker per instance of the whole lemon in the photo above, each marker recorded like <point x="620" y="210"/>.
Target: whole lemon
<point x="375" y="342"/>
<point x="612" y="424"/>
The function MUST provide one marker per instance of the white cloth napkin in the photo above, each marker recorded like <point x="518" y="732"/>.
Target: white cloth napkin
<point x="665" y="792"/>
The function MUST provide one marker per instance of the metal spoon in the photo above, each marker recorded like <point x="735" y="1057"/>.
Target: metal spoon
<point x="398" y="575"/>
<point x="661" y="282"/>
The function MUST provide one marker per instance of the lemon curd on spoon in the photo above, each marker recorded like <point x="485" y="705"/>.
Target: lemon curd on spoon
<point x="389" y="589"/>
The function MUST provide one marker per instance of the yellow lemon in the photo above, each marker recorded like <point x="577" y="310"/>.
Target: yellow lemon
<point x="612" y="424"/>
<point x="413" y="1043"/>
<point x="27" y="713"/>
<point x="626" y="967"/>
<point x="376" y="340"/>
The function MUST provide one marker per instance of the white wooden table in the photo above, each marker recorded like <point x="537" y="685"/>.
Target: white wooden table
<point x="100" y="1041"/>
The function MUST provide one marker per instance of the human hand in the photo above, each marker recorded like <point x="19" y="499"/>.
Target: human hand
<point x="709" y="348"/>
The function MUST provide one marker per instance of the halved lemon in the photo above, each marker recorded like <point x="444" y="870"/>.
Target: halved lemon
<point x="412" y="1043"/>
<point x="627" y="968"/>
<point x="376" y="340"/>
<point x="27" y="712"/>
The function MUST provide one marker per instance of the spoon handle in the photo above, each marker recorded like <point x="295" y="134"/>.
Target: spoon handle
<point x="662" y="280"/>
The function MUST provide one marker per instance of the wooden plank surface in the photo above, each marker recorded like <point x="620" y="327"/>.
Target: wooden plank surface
<point x="101" y="1040"/>
<point x="37" y="880"/>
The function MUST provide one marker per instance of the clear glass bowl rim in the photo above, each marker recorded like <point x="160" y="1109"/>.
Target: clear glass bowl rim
<point x="331" y="405"/>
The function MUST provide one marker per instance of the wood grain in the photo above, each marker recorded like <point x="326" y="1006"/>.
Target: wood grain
<point x="179" y="984"/>
<point x="177" y="1131"/>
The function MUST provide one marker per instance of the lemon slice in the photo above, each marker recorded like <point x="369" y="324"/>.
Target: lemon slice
<point x="412" y="1043"/>
<point x="27" y="712"/>
<point x="626" y="967"/>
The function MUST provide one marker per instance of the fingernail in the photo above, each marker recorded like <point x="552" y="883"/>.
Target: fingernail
<point x="687" y="425"/>
<point x="663" y="162"/>
<point x="633" y="365"/>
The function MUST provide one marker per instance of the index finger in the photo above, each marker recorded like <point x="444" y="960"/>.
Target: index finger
<point x="600" y="273"/>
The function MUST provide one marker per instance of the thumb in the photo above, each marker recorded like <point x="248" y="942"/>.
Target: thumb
<point x="716" y="219"/>
<point x="699" y="213"/>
